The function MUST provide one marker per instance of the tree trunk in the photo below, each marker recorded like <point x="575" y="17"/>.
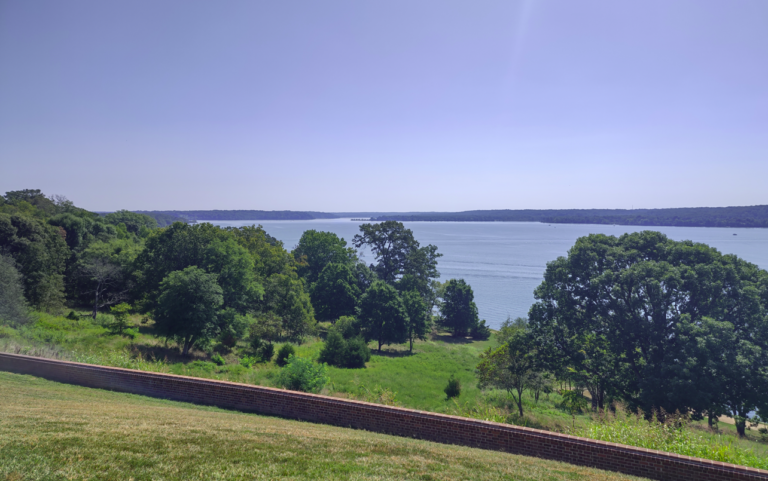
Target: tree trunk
<point x="411" y="350"/>
<point x="519" y="401"/>
<point x="711" y="419"/>
<point x="187" y="345"/>
<point x="741" y="424"/>
<point x="96" y="302"/>
<point x="379" y="346"/>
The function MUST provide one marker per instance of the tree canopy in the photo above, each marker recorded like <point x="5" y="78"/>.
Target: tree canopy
<point x="382" y="315"/>
<point x="658" y="323"/>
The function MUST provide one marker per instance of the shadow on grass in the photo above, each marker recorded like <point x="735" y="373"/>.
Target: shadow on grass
<point x="169" y="355"/>
<point x="450" y="339"/>
<point x="388" y="352"/>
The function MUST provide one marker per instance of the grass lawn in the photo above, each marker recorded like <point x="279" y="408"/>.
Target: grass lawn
<point x="395" y="376"/>
<point x="56" y="431"/>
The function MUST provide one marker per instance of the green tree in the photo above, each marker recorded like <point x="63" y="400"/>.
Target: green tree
<point x="333" y="350"/>
<point x="40" y="253"/>
<point x="13" y="305"/>
<point x="187" y="307"/>
<point x="382" y="315"/>
<point x="418" y="317"/>
<point x="207" y="247"/>
<point x="458" y="309"/>
<point x="397" y="252"/>
<point x="318" y="249"/>
<point x="627" y="316"/>
<point x="335" y="293"/>
<point x="509" y="367"/>
<point x="285" y="297"/>
<point x="121" y="313"/>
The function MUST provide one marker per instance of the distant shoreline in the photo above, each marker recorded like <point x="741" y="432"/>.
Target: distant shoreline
<point x="726" y="217"/>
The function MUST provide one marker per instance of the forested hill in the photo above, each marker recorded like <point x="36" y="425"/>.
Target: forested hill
<point x="196" y="215"/>
<point x="749" y="216"/>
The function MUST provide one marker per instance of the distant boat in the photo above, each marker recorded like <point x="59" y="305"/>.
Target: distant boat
<point x="735" y="234"/>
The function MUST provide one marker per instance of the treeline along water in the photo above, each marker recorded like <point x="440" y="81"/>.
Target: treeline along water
<point x="505" y="261"/>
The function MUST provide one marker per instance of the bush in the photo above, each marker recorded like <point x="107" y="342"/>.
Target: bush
<point x="480" y="331"/>
<point x="72" y="316"/>
<point x="285" y="351"/>
<point x="453" y="389"/>
<point x="333" y="349"/>
<point x="357" y="353"/>
<point x="249" y="361"/>
<point x="216" y="358"/>
<point x="120" y="314"/>
<point x="301" y="374"/>
<point x="348" y="326"/>
<point x="266" y="351"/>
<point x="337" y="351"/>
<point x="131" y="333"/>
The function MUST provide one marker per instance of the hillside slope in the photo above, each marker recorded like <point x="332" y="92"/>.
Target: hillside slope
<point x="56" y="431"/>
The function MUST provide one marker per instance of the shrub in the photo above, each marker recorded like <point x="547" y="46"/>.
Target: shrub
<point x="301" y="374"/>
<point x="348" y="326"/>
<point x="357" y="353"/>
<point x="72" y="316"/>
<point x="337" y="351"/>
<point x="266" y="351"/>
<point x="202" y="365"/>
<point x="480" y="331"/>
<point x="255" y="342"/>
<point x="120" y="314"/>
<point x="249" y="361"/>
<point x="453" y="389"/>
<point x="216" y="358"/>
<point x="333" y="349"/>
<point x="131" y="333"/>
<point x="283" y="353"/>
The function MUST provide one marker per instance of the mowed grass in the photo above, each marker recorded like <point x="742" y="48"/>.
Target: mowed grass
<point x="52" y="431"/>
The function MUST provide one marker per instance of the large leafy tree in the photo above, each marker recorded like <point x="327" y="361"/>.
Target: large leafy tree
<point x="382" y="316"/>
<point x="632" y="316"/>
<point x="335" y="293"/>
<point x="458" y="309"/>
<point x="397" y="252"/>
<point x="13" y="305"/>
<point x="205" y="246"/>
<point x="187" y="307"/>
<point x="317" y="249"/>
<point x="41" y="252"/>
<point x="285" y="297"/>
<point x="418" y="316"/>
<point x="511" y="366"/>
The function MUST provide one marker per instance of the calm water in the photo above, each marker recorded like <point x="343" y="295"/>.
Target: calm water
<point x="505" y="261"/>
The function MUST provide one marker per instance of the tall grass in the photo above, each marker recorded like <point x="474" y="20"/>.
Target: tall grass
<point x="671" y="435"/>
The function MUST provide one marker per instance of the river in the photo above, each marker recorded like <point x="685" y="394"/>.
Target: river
<point x="505" y="261"/>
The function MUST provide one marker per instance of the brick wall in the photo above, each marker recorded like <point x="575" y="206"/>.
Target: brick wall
<point x="385" y="419"/>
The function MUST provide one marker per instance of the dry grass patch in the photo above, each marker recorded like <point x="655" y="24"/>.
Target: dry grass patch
<point x="56" y="431"/>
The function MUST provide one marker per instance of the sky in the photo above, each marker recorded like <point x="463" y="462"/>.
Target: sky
<point x="385" y="105"/>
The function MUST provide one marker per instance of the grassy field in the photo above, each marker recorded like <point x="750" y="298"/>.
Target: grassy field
<point x="395" y="376"/>
<point x="51" y="431"/>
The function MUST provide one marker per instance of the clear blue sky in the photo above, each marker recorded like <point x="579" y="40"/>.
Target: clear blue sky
<point x="385" y="105"/>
